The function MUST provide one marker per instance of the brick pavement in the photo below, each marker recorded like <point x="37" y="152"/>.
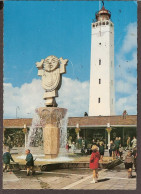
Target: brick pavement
<point x="71" y="179"/>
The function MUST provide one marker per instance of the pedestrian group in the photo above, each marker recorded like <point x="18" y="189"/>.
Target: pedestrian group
<point x="97" y="154"/>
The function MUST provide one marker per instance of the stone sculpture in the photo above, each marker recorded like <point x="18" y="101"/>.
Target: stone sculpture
<point x="51" y="70"/>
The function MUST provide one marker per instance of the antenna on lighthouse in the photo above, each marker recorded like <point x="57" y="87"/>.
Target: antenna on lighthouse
<point x="103" y="3"/>
<point x="99" y="5"/>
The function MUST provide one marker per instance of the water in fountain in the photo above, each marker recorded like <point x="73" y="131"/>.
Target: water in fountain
<point x="63" y="136"/>
<point x="35" y="136"/>
<point x="35" y="140"/>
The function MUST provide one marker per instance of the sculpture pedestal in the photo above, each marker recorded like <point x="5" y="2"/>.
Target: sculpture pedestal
<point x="51" y="135"/>
<point x="50" y="120"/>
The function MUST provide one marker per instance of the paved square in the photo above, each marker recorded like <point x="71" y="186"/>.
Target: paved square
<point x="71" y="179"/>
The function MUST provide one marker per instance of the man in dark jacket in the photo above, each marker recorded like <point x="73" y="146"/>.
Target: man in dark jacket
<point x="29" y="162"/>
<point x="117" y="143"/>
<point x="112" y="149"/>
<point x="6" y="160"/>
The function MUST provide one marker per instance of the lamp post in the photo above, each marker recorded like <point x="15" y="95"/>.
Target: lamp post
<point x="77" y="129"/>
<point x="17" y="111"/>
<point x="25" y="132"/>
<point x="108" y="129"/>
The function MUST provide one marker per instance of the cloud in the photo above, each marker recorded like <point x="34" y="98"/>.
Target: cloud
<point x="27" y="98"/>
<point x="128" y="103"/>
<point x="126" y="72"/>
<point x="130" y="40"/>
<point x="73" y="95"/>
<point x="124" y="87"/>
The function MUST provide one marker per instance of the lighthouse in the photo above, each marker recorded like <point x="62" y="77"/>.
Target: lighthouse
<point x="102" y="91"/>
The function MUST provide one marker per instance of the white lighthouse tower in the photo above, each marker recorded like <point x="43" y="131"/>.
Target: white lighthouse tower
<point x="102" y="91"/>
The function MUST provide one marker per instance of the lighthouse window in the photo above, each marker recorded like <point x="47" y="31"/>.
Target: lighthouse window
<point x="99" y="61"/>
<point x="103" y="23"/>
<point x="107" y="23"/>
<point x="100" y="43"/>
<point x="93" y="25"/>
<point x="99" y="81"/>
<point x="98" y="100"/>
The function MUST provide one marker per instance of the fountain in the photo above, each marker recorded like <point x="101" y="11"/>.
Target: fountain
<point x="48" y="133"/>
<point x="35" y="137"/>
<point x="51" y="70"/>
<point x="49" y="125"/>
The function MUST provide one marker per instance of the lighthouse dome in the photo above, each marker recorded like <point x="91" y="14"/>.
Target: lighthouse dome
<point x="103" y="14"/>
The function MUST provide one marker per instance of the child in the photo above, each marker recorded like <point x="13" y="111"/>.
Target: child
<point x="94" y="160"/>
<point x="101" y="150"/>
<point x="29" y="162"/>
<point x="120" y="151"/>
<point x="129" y="160"/>
<point x="73" y="147"/>
<point x="6" y="160"/>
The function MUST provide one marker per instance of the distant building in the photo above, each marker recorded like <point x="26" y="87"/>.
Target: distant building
<point x="90" y="128"/>
<point x="102" y="91"/>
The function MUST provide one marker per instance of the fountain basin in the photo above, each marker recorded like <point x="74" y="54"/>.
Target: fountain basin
<point x="43" y="164"/>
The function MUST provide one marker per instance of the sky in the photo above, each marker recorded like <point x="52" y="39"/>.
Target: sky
<point x="34" y="30"/>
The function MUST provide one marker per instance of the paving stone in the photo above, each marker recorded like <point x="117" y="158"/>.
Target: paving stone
<point x="117" y="180"/>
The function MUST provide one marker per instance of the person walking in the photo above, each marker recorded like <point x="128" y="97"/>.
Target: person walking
<point x="117" y="143"/>
<point x="6" y="160"/>
<point x="128" y="144"/>
<point x="112" y="149"/>
<point x="135" y="158"/>
<point x="94" y="161"/>
<point x="29" y="162"/>
<point x="134" y="142"/>
<point x="129" y="160"/>
<point x="80" y="143"/>
<point x="101" y="150"/>
<point x="120" y="151"/>
<point x="119" y="139"/>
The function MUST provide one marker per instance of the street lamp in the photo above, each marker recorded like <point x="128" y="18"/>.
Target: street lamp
<point x="108" y="129"/>
<point x="17" y="111"/>
<point x="77" y="129"/>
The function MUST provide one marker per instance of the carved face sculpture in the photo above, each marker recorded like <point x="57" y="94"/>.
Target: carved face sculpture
<point x="51" y="63"/>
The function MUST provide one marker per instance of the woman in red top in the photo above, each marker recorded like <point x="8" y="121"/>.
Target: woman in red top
<point x="94" y="160"/>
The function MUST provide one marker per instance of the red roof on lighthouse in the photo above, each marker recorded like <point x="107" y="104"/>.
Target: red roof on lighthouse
<point x="104" y="13"/>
